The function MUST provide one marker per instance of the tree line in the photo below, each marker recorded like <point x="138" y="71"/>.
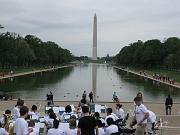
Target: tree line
<point x="151" y="54"/>
<point x="16" y="50"/>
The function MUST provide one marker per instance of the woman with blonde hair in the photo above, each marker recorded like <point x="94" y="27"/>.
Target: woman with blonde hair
<point x="72" y="126"/>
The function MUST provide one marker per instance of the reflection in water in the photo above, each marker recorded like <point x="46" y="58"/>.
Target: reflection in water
<point x="34" y="83"/>
<point x="94" y="79"/>
<point x="152" y="90"/>
<point x="68" y="84"/>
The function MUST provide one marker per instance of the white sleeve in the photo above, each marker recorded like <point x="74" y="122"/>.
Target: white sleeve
<point x="122" y="114"/>
<point x="144" y="109"/>
<point x="5" y="132"/>
<point x="106" y="132"/>
<point x="2" y="120"/>
<point x="49" y="132"/>
<point x="25" y="129"/>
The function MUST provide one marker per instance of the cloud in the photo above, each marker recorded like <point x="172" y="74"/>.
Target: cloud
<point x="69" y="22"/>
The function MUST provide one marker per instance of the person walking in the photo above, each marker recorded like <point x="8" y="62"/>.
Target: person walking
<point x="168" y="104"/>
<point x="91" y="97"/>
<point x="141" y="115"/>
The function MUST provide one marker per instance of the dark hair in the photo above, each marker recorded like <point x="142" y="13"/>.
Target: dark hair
<point x="50" y="110"/>
<point x="139" y="94"/>
<point x="119" y="105"/>
<point x="0" y="125"/>
<point x="52" y="115"/>
<point x="85" y="109"/>
<point x="23" y="110"/>
<point x="96" y="115"/>
<point x="110" y="121"/>
<point x="31" y="123"/>
<point x="28" y="117"/>
<point x="20" y="102"/>
<point x="34" y="108"/>
<point x="83" y="101"/>
<point x="73" y="117"/>
<point x="138" y="99"/>
<point x="109" y="110"/>
<point x="68" y="109"/>
<point x="56" y="123"/>
<point x="100" y="124"/>
<point x="7" y="112"/>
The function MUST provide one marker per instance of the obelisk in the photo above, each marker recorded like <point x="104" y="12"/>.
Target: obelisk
<point x="94" y="57"/>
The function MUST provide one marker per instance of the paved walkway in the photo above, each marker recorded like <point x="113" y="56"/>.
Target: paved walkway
<point x="176" y="85"/>
<point x="171" y="124"/>
<point x="33" y="72"/>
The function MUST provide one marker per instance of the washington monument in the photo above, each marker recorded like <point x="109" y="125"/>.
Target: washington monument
<point x="94" y="55"/>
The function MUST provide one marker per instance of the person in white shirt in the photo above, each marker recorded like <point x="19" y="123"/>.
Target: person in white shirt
<point x="72" y="130"/>
<point x="100" y="127"/>
<point x="15" y="111"/>
<point x="151" y="121"/>
<point x="50" y="120"/>
<point x="110" y="115"/>
<point x="31" y="125"/>
<point x="67" y="114"/>
<point x="3" y="131"/>
<point x="141" y="115"/>
<point x="112" y="128"/>
<point x="34" y="114"/>
<point x="21" y="126"/>
<point x="119" y="111"/>
<point x="55" y="130"/>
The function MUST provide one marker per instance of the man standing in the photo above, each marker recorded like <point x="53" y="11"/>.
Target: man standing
<point x="84" y="94"/>
<point x="168" y="104"/>
<point x="21" y="125"/>
<point x="91" y="97"/>
<point x="87" y="124"/>
<point x="141" y="115"/>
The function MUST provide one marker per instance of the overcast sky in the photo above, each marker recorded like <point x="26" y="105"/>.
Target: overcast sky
<point x="69" y="22"/>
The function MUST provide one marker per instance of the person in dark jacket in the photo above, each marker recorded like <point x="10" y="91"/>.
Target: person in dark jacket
<point x="168" y="104"/>
<point x="91" y="97"/>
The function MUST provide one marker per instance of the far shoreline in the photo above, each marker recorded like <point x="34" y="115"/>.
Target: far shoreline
<point x="34" y="71"/>
<point x="176" y="85"/>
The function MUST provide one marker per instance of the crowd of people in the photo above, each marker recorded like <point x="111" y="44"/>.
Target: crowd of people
<point x="160" y="77"/>
<point x="21" y="121"/>
<point x="164" y="78"/>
